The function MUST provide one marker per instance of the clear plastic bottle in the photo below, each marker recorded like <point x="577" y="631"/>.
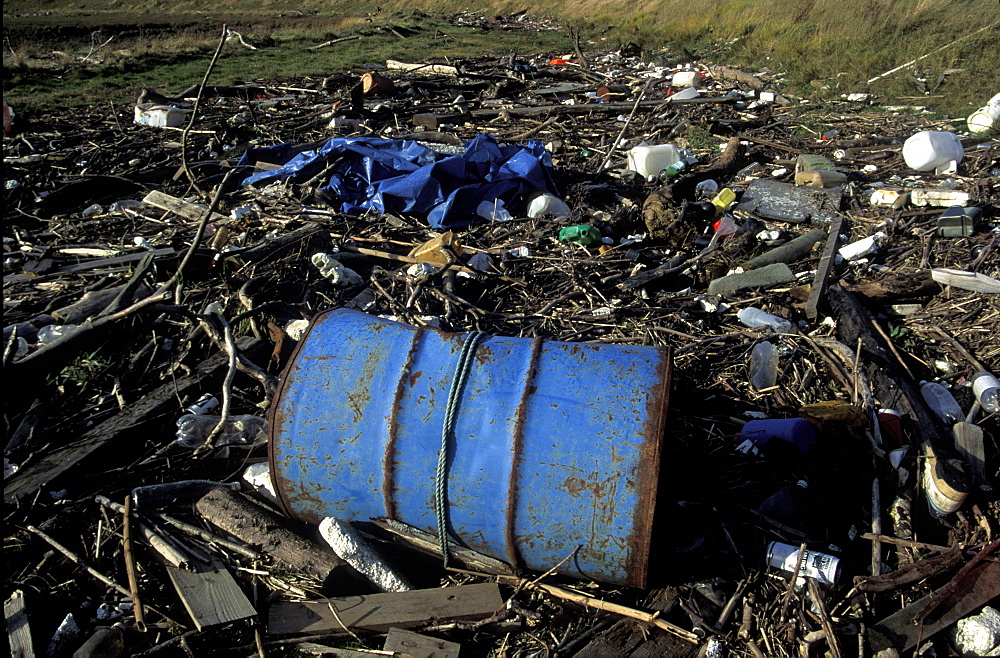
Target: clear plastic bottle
<point x="941" y="402"/>
<point x="754" y="317"/>
<point x="987" y="390"/>
<point x="764" y="365"/>
<point x="245" y="430"/>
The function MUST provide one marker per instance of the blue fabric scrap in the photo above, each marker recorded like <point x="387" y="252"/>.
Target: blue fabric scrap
<point x="403" y="176"/>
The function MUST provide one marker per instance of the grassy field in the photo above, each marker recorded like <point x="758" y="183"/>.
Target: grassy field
<point x="53" y="52"/>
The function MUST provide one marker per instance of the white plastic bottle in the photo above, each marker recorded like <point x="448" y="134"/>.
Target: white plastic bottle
<point x="754" y="317"/>
<point x="942" y="403"/>
<point x="931" y="149"/>
<point x="987" y="390"/>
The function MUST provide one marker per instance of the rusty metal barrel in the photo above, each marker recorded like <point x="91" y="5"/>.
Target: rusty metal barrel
<point x="556" y="446"/>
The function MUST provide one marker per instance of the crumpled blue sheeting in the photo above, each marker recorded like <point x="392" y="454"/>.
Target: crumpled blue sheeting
<point x="403" y="176"/>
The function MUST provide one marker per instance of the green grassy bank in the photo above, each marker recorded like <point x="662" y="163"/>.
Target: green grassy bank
<point x="822" y="48"/>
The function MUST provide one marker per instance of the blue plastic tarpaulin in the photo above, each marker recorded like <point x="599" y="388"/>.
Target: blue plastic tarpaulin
<point x="404" y="176"/>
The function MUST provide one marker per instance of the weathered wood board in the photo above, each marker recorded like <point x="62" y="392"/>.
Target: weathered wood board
<point x="380" y="612"/>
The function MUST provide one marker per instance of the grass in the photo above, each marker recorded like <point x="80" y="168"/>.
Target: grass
<point x="821" y="48"/>
<point x="50" y="66"/>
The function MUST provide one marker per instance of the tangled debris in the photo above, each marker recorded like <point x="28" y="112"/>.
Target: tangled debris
<point x="153" y="301"/>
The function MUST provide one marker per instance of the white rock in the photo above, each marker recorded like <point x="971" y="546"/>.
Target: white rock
<point x="978" y="635"/>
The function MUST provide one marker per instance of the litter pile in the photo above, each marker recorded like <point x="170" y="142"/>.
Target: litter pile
<point x="570" y="355"/>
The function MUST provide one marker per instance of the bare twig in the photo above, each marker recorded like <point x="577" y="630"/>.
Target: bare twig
<point x="227" y="388"/>
<point x="628" y="121"/>
<point x="78" y="561"/>
<point x="194" y="110"/>
<point x="130" y="567"/>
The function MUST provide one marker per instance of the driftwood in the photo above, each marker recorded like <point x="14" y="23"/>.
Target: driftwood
<point x="46" y="470"/>
<point x="269" y="533"/>
<point x="900" y="631"/>
<point x="897" y="289"/>
<point x="659" y="209"/>
<point x="909" y="574"/>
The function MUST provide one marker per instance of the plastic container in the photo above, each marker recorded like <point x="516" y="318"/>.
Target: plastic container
<point x="938" y="197"/>
<point x="651" y="160"/>
<point x="986" y="387"/>
<point x="957" y="222"/>
<point x="706" y="188"/>
<point x="547" y="204"/>
<point x="755" y="317"/>
<point x="797" y="431"/>
<point x="53" y="332"/>
<point x="356" y="431"/>
<point x="932" y="149"/>
<point x="160" y="116"/>
<point x="985" y="117"/>
<point x="824" y="568"/>
<point x="725" y="198"/>
<point x="686" y="79"/>
<point x="581" y="234"/>
<point x="891" y="428"/>
<point x="725" y="227"/>
<point x="942" y="403"/>
<point x="861" y="248"/>
<point x="192" y="430"/>
<point x="763" y="365"/>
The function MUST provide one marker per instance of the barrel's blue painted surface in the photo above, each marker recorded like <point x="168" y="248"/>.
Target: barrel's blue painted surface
<point x="556" y="445"/>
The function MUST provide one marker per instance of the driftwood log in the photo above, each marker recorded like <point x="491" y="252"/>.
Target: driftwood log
<point x="272" y="534"/>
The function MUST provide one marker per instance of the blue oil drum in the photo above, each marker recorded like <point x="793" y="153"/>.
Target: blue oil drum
<point x="556" y="445"/>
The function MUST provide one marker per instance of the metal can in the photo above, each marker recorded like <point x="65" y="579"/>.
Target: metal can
<point x="821" y="566"/>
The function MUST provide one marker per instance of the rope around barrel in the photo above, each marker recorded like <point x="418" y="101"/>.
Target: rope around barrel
<point x="450" y="414"/>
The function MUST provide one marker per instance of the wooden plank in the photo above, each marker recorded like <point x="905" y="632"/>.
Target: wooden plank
<point x="18" y="630"/>
<point x="180" y="207"/>
<point x="428" y="543"/>
<point x="114" y="261"/>
<point x="826" y="262"/>
<point x="416" y="645"/>
<point x="28" y="481"/>
<point x="436" y="69"/>
<point x="898" y="630"/>
<point x="97" y="263"/>
<point x="602" y="108"/>
<point x="380" y="612"/>
<point x="210" y="595"/>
